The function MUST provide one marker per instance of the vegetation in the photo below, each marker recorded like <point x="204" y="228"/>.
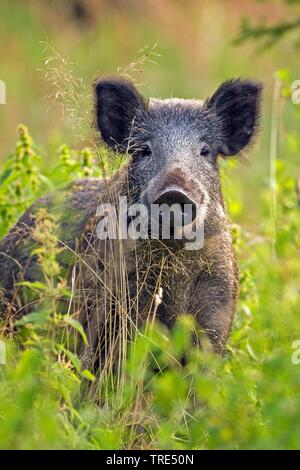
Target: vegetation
<point x="249" y="398"/>
<point x="271" y="34"/>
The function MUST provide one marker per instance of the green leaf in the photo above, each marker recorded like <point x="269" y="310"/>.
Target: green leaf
<point x="33" y="285"/>
<point x="5" y="175"/>
<point x="73" y="358"/>
<point x="77" y="326"/>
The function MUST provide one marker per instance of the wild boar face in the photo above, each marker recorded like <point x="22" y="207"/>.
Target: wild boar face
<point x="174" y="143"/>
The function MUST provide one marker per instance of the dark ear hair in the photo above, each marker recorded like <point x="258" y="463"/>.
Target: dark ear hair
<point x="117" y="103"/>
<point x="237" y="106"/>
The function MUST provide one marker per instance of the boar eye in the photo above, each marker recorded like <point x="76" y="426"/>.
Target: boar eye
<point x="145" y="150"/>
<point x="205" y="151"/>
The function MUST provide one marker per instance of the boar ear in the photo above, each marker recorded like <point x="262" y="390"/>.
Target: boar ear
<point x="117" y="103"/>
<point x="237" y="106"/>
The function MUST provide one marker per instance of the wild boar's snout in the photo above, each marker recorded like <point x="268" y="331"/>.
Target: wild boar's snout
<point x="173" y="197"/>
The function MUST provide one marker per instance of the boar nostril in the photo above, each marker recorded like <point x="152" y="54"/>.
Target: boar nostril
<point x="172" y="197"/>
